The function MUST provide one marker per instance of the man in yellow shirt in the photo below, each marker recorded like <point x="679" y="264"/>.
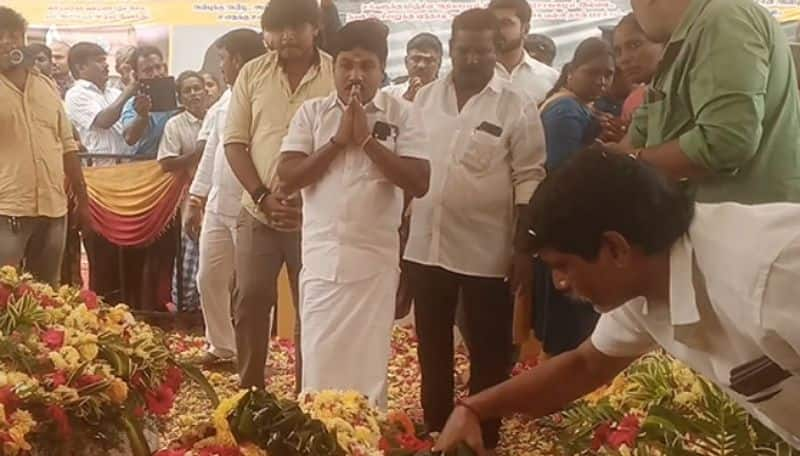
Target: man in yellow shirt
<point x="38" y="149"/>
<point x="266" y="96"/>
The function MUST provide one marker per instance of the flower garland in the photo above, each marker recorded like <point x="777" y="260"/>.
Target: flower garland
<point x="658" y="406"/>
<point x="73" y="370"/>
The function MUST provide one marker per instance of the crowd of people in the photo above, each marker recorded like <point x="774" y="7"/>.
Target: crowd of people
<point x="624" y="200"/>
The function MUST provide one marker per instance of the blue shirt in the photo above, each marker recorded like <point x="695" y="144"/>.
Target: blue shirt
<point x="569" y="127"/>
<point x="148" y="144"/>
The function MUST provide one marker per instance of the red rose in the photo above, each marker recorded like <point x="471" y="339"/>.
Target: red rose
<point x="89" y="298"/>
<point x="600" y="437"/>
<point x="61" y="419"/>
<point x="58" y="378"/>
<point x="160" y="401"/>
<point x="52" y="338"/>
<point x="173" y="378"/>
<point x="88" y="380"/>
<point x="5" y="294"/>
<point x="9" y="400"/>
<point x="626" y="433"/>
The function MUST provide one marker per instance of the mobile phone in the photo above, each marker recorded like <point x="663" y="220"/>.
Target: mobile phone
<point x="490" y="128"/>
<point x="381" y="130"/>
<point x="162" y="93"/>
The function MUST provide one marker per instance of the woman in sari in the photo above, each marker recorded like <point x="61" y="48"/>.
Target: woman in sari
<point x="570" y="125"/>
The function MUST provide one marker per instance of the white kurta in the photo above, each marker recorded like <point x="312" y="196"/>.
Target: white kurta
<point x="350" y="248"/>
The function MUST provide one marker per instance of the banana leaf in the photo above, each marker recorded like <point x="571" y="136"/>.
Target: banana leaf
<point x="280" y="427"/>
<point x="136" y="439"/>
<point x="196" y="375"/>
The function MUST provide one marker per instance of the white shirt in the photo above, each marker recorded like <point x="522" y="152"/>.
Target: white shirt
<point x="351" y="217"/>
<point x="214" y="178"/>
<point x="83" y="102"/>
<point x="465" y="223"/>
<point x="180" y="136"/>
<point x="734" y="287"/>
<point x="397" y="90"/>
<point x="531" y="78"/>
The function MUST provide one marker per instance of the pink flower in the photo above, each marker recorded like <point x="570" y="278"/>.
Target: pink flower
<point x="53" y="339"/>
<point x="626" y="433"/>
<point x="173" y="378"/>
<point x="160" y="401"/>
<point x="89" y="298"/>
<point x="9" y="400"/>
<point x="61" y="419"/>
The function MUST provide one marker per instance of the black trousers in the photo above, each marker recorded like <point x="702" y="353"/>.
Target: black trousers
<point x="488" y="313"/>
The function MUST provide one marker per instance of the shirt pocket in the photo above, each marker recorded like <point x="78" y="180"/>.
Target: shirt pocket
<point x="481" y="152"/>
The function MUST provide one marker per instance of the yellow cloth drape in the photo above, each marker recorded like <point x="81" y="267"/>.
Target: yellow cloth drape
<point x="128" y="189"/>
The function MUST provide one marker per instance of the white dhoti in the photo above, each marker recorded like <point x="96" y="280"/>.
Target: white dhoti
<point x="346" y="334"/>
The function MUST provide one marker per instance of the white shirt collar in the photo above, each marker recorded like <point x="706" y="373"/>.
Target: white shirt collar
<point x="682" y="297"/>
<point x="496" y="84"/>
<point x="683" y="308"/>
<point x="83" y="83"/>
<point x="191" y="117"/>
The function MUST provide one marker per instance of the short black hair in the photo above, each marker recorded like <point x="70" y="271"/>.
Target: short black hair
<point x="186" y="75"/>
<point x="369" y="34"/>
<point x="598" y="191"/>
<point x="11" y="20"/>
<point x="588" y="50"/>
<point x="425" y="42"/>
<point x="288" y="13"/>
<point x="35" y="49"/>
<point x="475" y="20"/>
<point x="521" y="7"/>
<point x="80" y="54"/>
<point x="142" y="52"/>
<point x="245" y="43"/>
<point x="630" y="19"/>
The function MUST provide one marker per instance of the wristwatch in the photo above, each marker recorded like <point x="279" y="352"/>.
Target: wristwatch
<point x="259" y="194"/>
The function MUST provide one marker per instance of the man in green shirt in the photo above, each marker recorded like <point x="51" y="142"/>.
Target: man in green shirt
<point x="723" y="110"/>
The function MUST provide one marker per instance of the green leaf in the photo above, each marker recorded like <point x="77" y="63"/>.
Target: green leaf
<point x="136" y="439"/>
<point x="196" y="375"/>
